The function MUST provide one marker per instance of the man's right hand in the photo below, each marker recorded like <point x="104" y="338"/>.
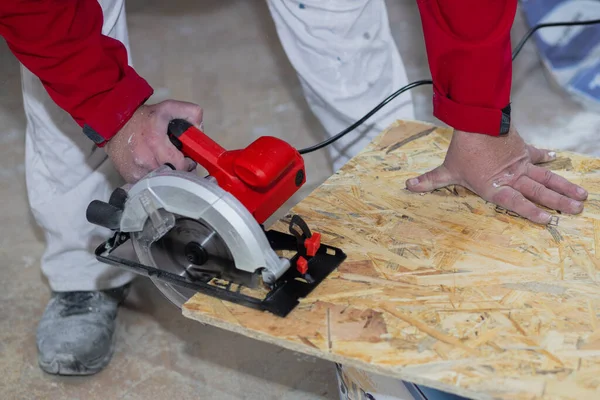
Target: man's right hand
<point x="143" y="145"/>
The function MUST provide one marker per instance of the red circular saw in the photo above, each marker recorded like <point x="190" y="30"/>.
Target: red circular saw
<point x="204" y="234"/>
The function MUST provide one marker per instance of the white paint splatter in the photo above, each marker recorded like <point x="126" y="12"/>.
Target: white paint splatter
<point x="11" y="136"/>
<point x="259" y="131"/>
<point x="283" y="107"/>
<point x="304" y="358"/>
<point x="28" y="261"/>
<point x="186" y="30"/>
<point x="14" y="172"/>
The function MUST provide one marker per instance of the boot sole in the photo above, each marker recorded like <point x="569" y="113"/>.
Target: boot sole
<point x="69" y="365"/>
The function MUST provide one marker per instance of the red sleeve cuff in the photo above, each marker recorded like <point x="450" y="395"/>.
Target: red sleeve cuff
<point x="488" y="121"/>
<point x="116" y="108"/>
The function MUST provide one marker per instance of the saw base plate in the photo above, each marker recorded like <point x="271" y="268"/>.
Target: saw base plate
<point x="283" y="295"/>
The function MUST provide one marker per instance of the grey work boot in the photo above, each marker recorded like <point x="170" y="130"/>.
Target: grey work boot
<point x="75" y="334"/>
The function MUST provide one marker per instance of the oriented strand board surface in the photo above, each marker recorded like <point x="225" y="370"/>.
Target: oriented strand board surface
<point x="444" y="289"/>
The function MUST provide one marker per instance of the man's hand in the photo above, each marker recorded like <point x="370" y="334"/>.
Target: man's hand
<point x="143" y="145"/>
<point x="501" y="170"/>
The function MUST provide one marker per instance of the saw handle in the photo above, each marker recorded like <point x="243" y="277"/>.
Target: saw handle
<point x="194" y="143"/>
<point x="259" y="165"/>
<point x="262" y="176"/>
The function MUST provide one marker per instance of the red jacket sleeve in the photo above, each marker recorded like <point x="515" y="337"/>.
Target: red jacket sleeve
<point x="85" y="73"/>
<point x="469" y="54"/>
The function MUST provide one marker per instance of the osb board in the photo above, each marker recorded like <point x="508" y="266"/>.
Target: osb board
<point x="444" y="289"/>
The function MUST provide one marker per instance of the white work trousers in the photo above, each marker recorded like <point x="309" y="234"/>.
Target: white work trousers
<point x="347" y="63"/>
<point x="65" y="171"/>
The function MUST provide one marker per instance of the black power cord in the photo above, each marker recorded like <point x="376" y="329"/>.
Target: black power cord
<point x="413" y="85"/>
<point x="366" y="117"/>
<point x="548" y="25"/>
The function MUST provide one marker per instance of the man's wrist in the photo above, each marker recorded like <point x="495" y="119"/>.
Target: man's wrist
<point x="116" y="108"/>
<point x="102" y="142"/>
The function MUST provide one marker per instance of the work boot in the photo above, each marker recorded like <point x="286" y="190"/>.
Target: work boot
<point x="75" y="334"/>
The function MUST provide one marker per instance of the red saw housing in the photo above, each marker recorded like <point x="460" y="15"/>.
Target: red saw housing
<point x="262" y="176"/>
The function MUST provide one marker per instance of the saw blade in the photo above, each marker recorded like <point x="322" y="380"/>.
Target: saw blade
<point x="193" y="250"/>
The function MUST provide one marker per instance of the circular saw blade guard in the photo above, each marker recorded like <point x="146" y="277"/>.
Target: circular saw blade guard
<point x="188" y="232"/>
<point x="158" y="201"/>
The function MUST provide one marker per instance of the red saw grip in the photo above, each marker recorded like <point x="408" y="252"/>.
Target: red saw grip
<point x="262" y="176"/>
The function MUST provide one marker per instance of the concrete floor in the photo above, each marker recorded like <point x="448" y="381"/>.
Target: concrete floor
<point x="224" y="55"/>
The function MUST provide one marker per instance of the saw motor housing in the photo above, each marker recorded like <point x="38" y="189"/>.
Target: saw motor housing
<point x="262" y="176"/>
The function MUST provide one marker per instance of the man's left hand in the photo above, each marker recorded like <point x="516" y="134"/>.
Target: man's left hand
<point x="502" y="171"/>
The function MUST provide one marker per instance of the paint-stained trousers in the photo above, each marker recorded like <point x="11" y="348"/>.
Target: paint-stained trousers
<point x="346" y="61"/>
<point x="65" y="172"/>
